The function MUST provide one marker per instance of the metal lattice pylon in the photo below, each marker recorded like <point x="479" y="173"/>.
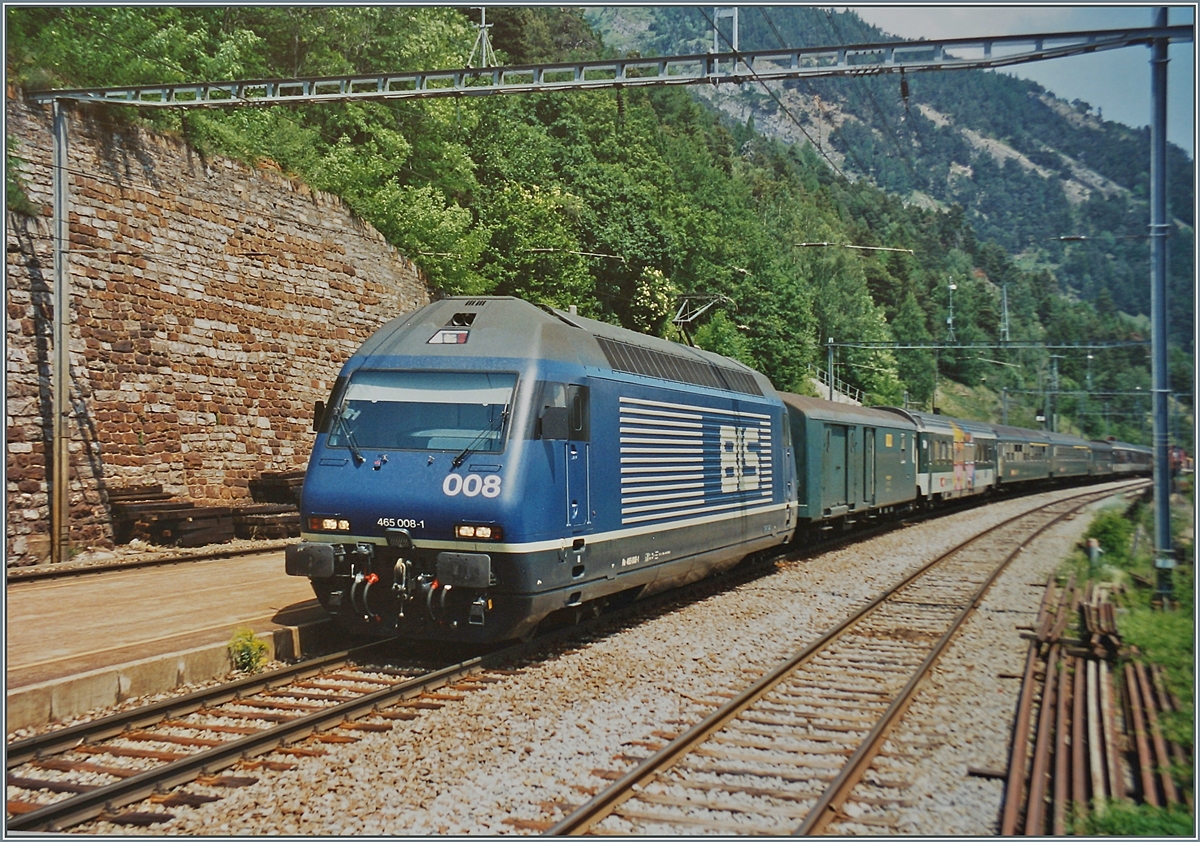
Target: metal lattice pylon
<point x="483" y="44"/>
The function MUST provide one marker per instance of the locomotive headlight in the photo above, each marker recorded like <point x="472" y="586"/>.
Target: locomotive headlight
<point x="328" y="524"/>
<point x="478" y="532"/>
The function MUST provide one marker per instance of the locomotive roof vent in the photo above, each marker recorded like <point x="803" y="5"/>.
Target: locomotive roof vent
<point x="461" y="320"/>
<point x="475" y="302"/>
<point x="648" y="362"/>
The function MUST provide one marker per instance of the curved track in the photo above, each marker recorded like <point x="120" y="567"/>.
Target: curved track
<point x="784" y="756"/>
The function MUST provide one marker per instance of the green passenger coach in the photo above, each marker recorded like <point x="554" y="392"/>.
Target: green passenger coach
<point x="851" y="461"/>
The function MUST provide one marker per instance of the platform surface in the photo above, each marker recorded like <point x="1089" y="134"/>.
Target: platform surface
<point x="90" y="641"/>
<point x="67" y="626"/>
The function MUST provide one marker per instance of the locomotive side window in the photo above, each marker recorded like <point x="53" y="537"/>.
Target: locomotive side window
<point x="423" y="410"/>
<point x="325" y="417"/>
<point x="577" y="405"/>
<point x="563" y="412"/>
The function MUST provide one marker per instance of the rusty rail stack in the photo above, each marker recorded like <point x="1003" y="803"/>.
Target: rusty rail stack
<point x="1080" y="742"/>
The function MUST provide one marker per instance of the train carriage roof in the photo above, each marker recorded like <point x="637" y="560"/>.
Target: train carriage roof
<point x="492" y="327"/>
<point x="1137" y="448"/>
<point x="928" y="422"/>
<point x="1065" y="439"/>
<point x="844" y="413"/>
<point x="1020" y="434"/>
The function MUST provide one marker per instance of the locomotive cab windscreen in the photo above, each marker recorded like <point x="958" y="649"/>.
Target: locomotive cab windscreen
<point x="422" y="410"/>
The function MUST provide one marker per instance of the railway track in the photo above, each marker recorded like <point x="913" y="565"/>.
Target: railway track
<point x="68" y="776"/>
<point x="786" y="756"/>
<point x="94" y="769"/>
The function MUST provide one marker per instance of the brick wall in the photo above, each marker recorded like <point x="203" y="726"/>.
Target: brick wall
<point x="212" y="304"/>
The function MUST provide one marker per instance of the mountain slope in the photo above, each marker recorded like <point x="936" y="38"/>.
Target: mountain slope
<point x="1026" y="166"/>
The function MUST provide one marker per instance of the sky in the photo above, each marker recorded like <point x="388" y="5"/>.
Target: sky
<point x="1116" y="81"/>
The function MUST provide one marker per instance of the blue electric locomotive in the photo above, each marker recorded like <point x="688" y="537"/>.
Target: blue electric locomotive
<point x="483" y="463"/>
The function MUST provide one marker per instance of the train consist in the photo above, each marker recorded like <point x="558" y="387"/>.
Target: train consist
<point x="483" y="463"/>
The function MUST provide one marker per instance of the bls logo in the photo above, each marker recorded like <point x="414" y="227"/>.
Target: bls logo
<point x="739" y="458"/>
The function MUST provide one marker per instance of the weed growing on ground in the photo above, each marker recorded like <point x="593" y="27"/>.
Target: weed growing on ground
<point x="1121" y="819"/>
<point x="248" y="653"/>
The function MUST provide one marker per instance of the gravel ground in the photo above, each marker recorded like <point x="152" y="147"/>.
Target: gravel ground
<point x="140" y="552"/>
<point x="962" y="717"/>
<point x="510" y="758"/>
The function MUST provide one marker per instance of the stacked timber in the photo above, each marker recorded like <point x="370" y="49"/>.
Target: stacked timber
<point x="277" y="487"/>
<point x="135" y="511"/>
<point x="269" y="520"/>
<point x="147" y="513"/>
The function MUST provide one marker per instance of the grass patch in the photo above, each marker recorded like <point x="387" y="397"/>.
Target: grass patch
<point x="1119" y="819"/>
<point x="15" y="197"/>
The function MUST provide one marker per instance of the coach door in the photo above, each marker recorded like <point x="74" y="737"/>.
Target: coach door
<point x="869" y="466"/>
<point x="836" y="474"/>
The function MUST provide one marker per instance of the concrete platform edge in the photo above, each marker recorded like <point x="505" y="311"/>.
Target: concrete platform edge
<point x="34" y="705"/>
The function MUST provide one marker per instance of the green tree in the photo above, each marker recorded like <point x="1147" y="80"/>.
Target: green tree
<point x="917" y="368"/>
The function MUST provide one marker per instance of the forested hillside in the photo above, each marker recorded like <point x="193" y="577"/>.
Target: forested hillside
<point x="1026" y="167"/>
<point x="622" y="202"/>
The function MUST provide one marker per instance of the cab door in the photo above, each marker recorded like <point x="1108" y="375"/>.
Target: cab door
<point x="578" y="456"/>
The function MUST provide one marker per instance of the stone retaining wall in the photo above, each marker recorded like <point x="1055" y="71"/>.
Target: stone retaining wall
<point x="212" y="304"/>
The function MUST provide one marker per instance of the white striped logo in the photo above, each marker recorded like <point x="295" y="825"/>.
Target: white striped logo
<point x="679" y="460"/>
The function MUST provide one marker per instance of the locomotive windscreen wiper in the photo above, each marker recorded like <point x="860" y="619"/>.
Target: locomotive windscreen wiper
<point x="341" y="422"/>
<point x="492" y="428"/>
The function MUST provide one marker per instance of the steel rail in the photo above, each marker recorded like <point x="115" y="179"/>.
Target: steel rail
<point x="64" y="739"/>
<point x="1162" y="759"/>
<point x="129" y="790"/>
<point x="824" y="811"/>
<point x="1014" y="788"/>
<point x="1035" y="810"/>
<point x="87" y="805"/>
<point x="1061" y="774"/>
<point x="605" y="802"/>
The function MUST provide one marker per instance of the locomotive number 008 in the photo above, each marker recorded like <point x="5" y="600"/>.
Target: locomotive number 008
<point x="472" y="485"/>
